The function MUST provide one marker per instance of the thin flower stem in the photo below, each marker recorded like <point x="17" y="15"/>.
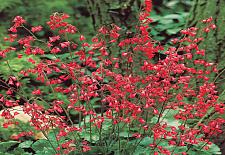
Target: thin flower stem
<point x="118" y="130"/>
<point x="67" y="114"/>
<point x="33" y="34"/>
<point x="46" y="136"/>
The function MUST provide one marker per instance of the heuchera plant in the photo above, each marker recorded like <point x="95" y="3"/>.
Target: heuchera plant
<point x="129" y="103"/>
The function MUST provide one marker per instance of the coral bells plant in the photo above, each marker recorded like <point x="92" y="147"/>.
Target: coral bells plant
<point x="112" y="95"/>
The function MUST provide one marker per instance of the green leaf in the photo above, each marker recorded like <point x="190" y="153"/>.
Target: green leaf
<point x="18" y="151"/>
<point x="180" y="149"/>
<point x="164" y="23"/>
<point x="214" y="149"/>
<point x="168" y="117"/>
<point x="172" y="16"/>
<point x="172" y="4"/>
<point x="46" y="151"/>
<point x="40" y="145"/>
<point x="26" y="144"/>
<point x="115" y="5"/>
<point x="94" y="100"/>
<point x="173" y="31"/>
<point x="52" y="138"/>
<point x="125" y="134"/>
<point x="146" y="141"/>
<point x="6" y="145"/>
<point x="142" y="150"/>
<point x="94" y="137"/>
<point x="5" y="153"/>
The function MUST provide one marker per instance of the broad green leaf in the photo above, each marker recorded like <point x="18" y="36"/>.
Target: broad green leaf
<point x="19" y="151"/>
<point x="93" y="138"/>
<point x="46" y="151"/>
<point x="168" y="117"/>
<point x="5" y="153"/>
<point x="146" y="141"/>
<point x="40" y="145"/>
<point x="172" y="16"/>
<point x="125" y="134"/>
<point x="173" y="31"/>
<point x="142" y="150"/>
<point x="214" y="149"/>
<point x="4" y="146"/>
<point x="94" y="100"/>
<point x="26" y="144"/>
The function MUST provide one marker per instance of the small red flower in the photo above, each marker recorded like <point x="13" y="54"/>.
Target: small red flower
<point x="36" y="29"/>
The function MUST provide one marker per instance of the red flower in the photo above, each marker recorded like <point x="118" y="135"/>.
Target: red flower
<point x="36" y="29"/>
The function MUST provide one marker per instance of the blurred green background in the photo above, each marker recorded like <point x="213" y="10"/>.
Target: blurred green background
<point x="169" y="15"/>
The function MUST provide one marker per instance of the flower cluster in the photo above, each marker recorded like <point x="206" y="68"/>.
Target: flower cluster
<point x="133" y="91"/>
